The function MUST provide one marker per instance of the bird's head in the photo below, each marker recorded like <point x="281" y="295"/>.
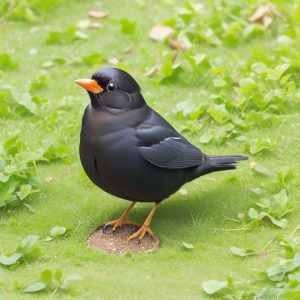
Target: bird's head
<point x="112" y="88"/>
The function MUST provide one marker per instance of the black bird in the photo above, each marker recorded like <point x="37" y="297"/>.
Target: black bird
<point x="130" y="151"/>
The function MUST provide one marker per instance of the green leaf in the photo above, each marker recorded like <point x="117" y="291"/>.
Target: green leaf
<point x="58" y="231"/>
<point x="35" y="287"/>
<point x="242" y="252"/>
<point x="92" y="59"/>
<point x="58" y="275"/>
<point x="219" y="113"/>
<point x="27" y="243"/>
<point x="71" y="277"/>
<point x="214" y="286"/>
<point x="46" y="277"/>
<point x="6" y="63"/>
<point x="261" y="170"/>
<point x="277" y="72"/>
<point x="253" y="214"/>
<point x="8" y="260"/>
<point x="127" y="26"/>
<point x="219" y="82"/>
<point x="25" y="190"/>
<point x="187" y="246"/>
<point x="206" y="138"/>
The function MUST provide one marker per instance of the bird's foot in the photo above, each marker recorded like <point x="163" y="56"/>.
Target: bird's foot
<point x="141" y="233"/>
<point x="117" y="224"/>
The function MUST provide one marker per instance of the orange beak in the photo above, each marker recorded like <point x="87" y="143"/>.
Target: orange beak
<point x="90" y="85"/>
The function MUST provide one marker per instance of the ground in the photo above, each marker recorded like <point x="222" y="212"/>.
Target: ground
<point x="172" y="272"/>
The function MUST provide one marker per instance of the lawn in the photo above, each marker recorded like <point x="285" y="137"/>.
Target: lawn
<point x="233" y="90"/>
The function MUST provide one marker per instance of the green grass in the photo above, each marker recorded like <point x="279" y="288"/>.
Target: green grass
<point x="171" y="272"/>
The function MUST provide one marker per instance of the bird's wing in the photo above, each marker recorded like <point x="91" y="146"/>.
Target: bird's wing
<point x="167" y="151"/>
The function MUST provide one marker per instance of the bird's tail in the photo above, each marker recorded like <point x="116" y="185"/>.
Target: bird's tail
<point x="219" y="163"/>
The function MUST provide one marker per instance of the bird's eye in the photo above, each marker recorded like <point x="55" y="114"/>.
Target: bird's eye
<point x="110" y="87"/>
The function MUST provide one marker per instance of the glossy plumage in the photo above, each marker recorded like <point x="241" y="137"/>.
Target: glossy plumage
<point x="130" y="151"/>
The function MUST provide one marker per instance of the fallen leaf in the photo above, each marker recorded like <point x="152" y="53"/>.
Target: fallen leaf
<point x="240" y="216"/>
<point x="160" y="32"/>
<point x="95" y="26"/>
<point x="113" y="61"/>
<point x="176" y="45"/>
<point x="263" y="15"/>
<point x="182" y="192"/>
<point x="259" y="14"/>
<point x="97" y="14"/>
<point x="48" y="178"/>
<point x="267" y="21"/>
<point x="151" y="71"/>
<point x="128" y="49"/>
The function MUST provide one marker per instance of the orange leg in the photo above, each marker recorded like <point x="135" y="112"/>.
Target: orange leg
<point x="121" y="221"/>
<point x="145" y="228"/>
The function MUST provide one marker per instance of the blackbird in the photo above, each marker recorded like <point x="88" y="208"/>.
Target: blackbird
<point x="130" y="151"/>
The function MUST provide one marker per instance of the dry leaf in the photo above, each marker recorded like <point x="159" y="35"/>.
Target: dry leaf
<point x="176" y="45"/>
<point x="128" y="49"/>
<point x="113" y="61"/>
<point x="240" y="216"/>
<point x="267" y="21"/>
<point x="48" y="178"/>
<point x="151" y="71"/>
<point x="263" y="15"/>
<point x="273" y="10"/>
<point x="259" y="13"/>
<point x="95" y="26"/>
<point x="97" y="14"/>
<point x="160" y="32"/>
<point x="182" y="192"/>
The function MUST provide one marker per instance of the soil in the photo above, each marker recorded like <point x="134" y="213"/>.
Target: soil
<point x="118" y="243"/>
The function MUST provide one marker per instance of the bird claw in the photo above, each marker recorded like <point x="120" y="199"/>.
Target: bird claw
<point x="140" y="234"/>
<point x="117" y="224"/>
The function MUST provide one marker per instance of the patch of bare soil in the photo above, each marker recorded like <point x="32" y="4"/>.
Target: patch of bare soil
<point x="118" y="243"/>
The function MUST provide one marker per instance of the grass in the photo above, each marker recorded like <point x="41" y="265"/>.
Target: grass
<point x="171" y="272"/>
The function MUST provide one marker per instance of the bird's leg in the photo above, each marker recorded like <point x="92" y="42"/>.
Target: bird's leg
<point x="145" y="228"/>
<point x="121" y="221"/>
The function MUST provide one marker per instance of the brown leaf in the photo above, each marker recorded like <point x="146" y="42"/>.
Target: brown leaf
<point x="160" y="32"/>
<point x="95" y="26"/>
<point x="259" y="14"/>
<point x="274" y="10"/>
<point x="176" y="45"/>
<point x="263" y="15"/>
<point x="151" y="71"/>
<point x="128" y="49"/>
<point x="267" y="21"/>
<point x="97" y="14"/>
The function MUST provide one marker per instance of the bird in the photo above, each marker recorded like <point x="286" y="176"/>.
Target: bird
<point x="130" y="151"/>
